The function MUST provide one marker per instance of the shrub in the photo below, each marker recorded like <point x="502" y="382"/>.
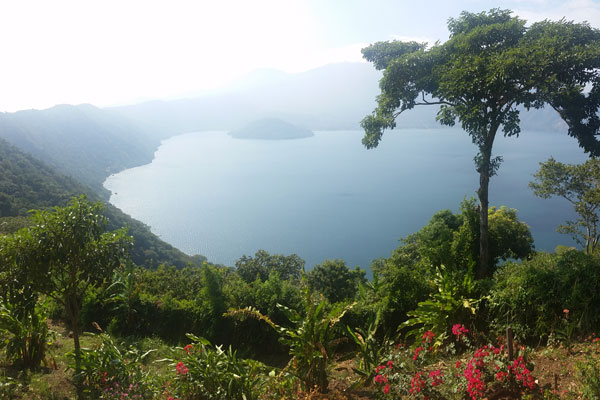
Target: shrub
<point x="485" y="372"/>
<point x="310" y="340"/>
<point x="533" y="295"/>
<point x="28" y="334"/>
<point x="209" y="372"/>
<point x="109" y="372"/>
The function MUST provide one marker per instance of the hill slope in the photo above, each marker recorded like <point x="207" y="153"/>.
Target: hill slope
<point x="27" y="183"/>
<point x="83" y="141"/>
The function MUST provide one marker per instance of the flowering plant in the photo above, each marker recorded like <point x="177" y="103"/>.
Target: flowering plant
<point x="416" y="373"/>
<point x="209" y="372"/>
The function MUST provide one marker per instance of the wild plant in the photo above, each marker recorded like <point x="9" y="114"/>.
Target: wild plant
<point x="310" y="339"/>
<point x="27" y="332"/>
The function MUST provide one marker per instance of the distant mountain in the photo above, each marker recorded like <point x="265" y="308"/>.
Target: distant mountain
<point x="335" y="96"/>
<point x="83" y="141"/>
<point x="271" y="129"/>
<point x="27" y="183"/>
<point x="332" y="97"/>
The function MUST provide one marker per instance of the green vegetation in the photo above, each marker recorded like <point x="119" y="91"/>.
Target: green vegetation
<point x="26" y="184"/>
<point x="491" y="65"/>
<point x="578" y="184"/>
<point x="62" y="265"/>
<point x="83" y="141"/>
<point x="437" y="320"/>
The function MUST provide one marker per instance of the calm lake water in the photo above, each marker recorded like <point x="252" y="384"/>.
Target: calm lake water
<point x="327" y="197"/>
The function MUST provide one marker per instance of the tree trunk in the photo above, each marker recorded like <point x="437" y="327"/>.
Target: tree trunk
<point x="77" y="346"/>
<point x="484" y="245"/>
<point x="485" y="170"/>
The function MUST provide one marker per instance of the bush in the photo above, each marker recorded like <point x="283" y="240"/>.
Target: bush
<point x="209" y="372"/>
<point x="534" y="295"/>
<point x="110" y="372"/>
<point x="28" y="334"/>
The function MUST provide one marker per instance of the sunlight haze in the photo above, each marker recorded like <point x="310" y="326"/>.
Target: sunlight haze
<point x="121" y="52"/>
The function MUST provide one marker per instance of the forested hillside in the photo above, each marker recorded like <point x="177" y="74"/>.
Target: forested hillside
<point x="27" y="183"/>
<point x="82" y="141"/>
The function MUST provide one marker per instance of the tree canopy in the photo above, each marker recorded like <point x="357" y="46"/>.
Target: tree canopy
<point x="263" y="263"/>
<point x="67" y="252"/>
<point x="579" y="185"/>
<point x="492" y="65"/>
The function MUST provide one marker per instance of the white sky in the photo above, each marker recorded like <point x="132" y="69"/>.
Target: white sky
<point x="124" y="51"/>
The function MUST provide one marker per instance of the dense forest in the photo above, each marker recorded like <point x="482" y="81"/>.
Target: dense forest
<point x="94" y="306"/>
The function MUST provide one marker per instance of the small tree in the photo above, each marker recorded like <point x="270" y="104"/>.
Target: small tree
<point x="580" y="186"/>
<point x="263" y="263"/>
<point x="71" y="252"/>
<point x="335" y="280"/>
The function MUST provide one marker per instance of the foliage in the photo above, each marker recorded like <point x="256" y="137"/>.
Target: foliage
<point x="108" y="371"/>
<point x="80" y="141"/>
<point x="28" y="334"/>
<point x="453" y="239"/>
<point x="310" y="340"/>
<point x="335" y="280"/>
<point x="369" y="349"/>
<point x="27" y="183"/>
<point x="207" y="372"/>
<point x="8" y="387"/>
<point x="399" y="287"/>
<point x="263" y="263"/>
<point x="532" y="296"/>
<point x="256" y="338"/>
<point x="491" y="64"/>
<point x="69" y="252"/>
<point x="451" y="303"/>
<point x="485" y="372"/>
<point x="578" y="184"/>
<point x="589" y="372"/>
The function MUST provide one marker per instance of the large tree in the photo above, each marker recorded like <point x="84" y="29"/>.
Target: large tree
<point x="492" y="65"/>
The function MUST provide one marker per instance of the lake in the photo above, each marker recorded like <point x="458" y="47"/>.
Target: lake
<point x="327" y="197"/>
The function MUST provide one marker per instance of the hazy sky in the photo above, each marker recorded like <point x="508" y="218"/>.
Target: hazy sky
<point x="124" y="51"/>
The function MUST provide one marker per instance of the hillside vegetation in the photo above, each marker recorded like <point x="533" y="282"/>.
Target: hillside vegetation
<point x="83" y="141"/>
<point x="27" y="183"/>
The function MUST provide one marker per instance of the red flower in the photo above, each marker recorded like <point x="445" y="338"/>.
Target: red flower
<point x="181" y="368"/>
<point x="390" y="364"/>
<point x="428" y="336"/>
<point x="458" y="329"/>
<point x="188" y="348"/>
<point x="386" y="389"/>
<point x="417" y="350"/>
<point x="436" y="377"/>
